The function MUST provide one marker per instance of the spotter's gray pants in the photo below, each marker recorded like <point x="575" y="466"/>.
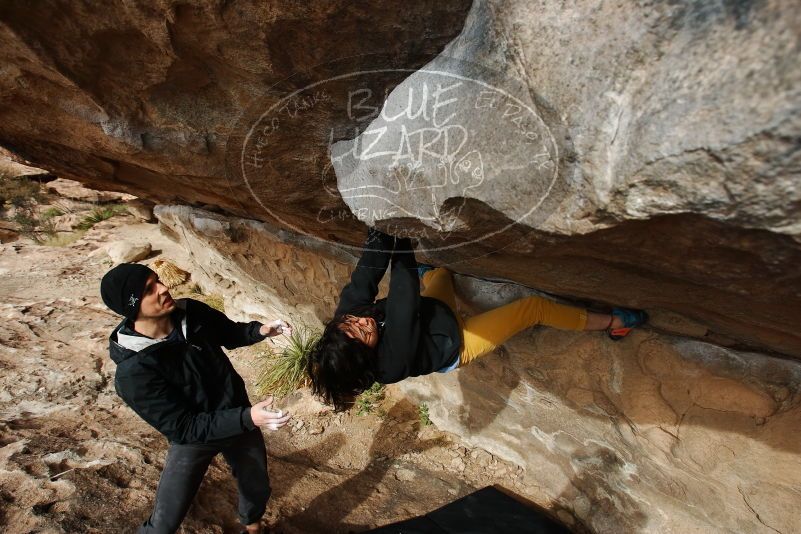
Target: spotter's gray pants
<point x="183" y="472"/>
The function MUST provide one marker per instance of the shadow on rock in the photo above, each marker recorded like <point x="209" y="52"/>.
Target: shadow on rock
<point x="486" y="391"/>
<point x="327" y="512"/>
<point x="597" y="498"/>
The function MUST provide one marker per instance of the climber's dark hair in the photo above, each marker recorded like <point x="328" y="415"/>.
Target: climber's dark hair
<point x="341" y="367"/>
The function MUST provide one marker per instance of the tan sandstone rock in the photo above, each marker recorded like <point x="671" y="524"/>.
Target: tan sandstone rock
<point x="669" y="132"/>
<point x="75" y="191"/>
<point x="654" y="433"/>
<point x="127" y="251"/>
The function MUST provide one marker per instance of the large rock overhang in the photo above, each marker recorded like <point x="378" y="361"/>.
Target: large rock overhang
<point x="677" y="166"/>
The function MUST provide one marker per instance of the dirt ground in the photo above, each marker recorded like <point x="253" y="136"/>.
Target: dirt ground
<point x="74" y="458"/>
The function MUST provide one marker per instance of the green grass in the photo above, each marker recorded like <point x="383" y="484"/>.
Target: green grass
<point x="29" y="226"/>
<point x="49" y="213"/>
<point x="369" y="401"/>
<point x="101" y="214"/>
<point x="283" y="368"/>
<point x="422" y="412"/>
<point x="24" y="196"/>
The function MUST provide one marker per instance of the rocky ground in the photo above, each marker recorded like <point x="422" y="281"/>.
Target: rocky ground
<point x="74" y="458"/>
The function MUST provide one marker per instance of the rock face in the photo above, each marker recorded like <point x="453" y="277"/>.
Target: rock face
<point x="73" y="190"/>
<point x="651" y="434"/>
<point x="645" y="132"/>
<point x="144" y="98"/>
<point x="10" y="167"/>
<point x="652" y="160"/>
<point x="645" y="110"/>
<point x="660" y="142"/>
<point x="261" y="270"/>
<point x="656" y="433"/>
<point x="141" y="209"/>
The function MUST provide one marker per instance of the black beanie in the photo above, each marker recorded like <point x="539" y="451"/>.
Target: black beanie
<point x="122" y="288"/>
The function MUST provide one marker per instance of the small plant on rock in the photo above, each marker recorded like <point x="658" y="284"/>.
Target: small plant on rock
<point x="369" y="401"/>
<point x="422" y="412"/>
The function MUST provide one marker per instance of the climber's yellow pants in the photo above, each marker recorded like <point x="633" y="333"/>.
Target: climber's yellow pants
<point x="483" y="333"/>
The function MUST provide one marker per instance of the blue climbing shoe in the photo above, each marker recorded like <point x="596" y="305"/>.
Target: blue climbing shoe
<point x="423" y="268"/>
<point x="630" y="318"/>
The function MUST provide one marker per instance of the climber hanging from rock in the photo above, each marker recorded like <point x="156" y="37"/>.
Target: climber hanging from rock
<point x="413" y="333"/>
<point x="173" y="373"/>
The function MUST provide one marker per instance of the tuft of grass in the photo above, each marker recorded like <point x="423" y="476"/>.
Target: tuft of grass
<point x="49" y="213"/>
<point x="29" y="226"/>
<point x="369" y="401"/>
<point x="283" y="369"/>
<point x="195" y="289"/>
<point x="25" y="220"/>
<point x="215" y="301"/>
<point x="190" y="289"/>
<point x="25" y="195"/>
<point x="19" y="191"/>
<point x="422" y="412"/>
<point x="101" y="214"/>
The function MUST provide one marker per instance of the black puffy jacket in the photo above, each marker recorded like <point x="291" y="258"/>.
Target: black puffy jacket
<point x="420" y="334"/>
<point x="185" y="386"/>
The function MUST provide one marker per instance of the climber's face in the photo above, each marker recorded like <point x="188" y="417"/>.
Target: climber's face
<point x="363" y="329"/>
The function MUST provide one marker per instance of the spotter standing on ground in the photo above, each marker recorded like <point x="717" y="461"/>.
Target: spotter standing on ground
<point x="172" y="372"/>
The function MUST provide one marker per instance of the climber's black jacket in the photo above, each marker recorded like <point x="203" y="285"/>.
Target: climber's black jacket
<point x="185" y="386"/>
<point x="420" y="335"/>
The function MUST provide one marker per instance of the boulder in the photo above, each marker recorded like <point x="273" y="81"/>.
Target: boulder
<point x="75" y="191"/>
<point x="639" y="155"/>
<point x="127" y="251"/>
<point x="573" y="167"/>
<point x="141" y="209"/>
<point x="289" y="276"/>
<point x="651" y="434"/>
<point x="662" y="431"/>
<point x="636" y="154"/>
<point x="8" y="232"/>
<point x="9" y="166"/>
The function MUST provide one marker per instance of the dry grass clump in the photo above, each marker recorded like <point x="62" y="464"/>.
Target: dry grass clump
<point x="62" y="239"/>
<point x="22" y="201"/>
<point x="19" y="191"/>
<point x="170" y="274"/>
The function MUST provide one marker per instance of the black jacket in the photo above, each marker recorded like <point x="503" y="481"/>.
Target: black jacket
<point x="185" y="386"/>
<point x="420" y="334"/>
